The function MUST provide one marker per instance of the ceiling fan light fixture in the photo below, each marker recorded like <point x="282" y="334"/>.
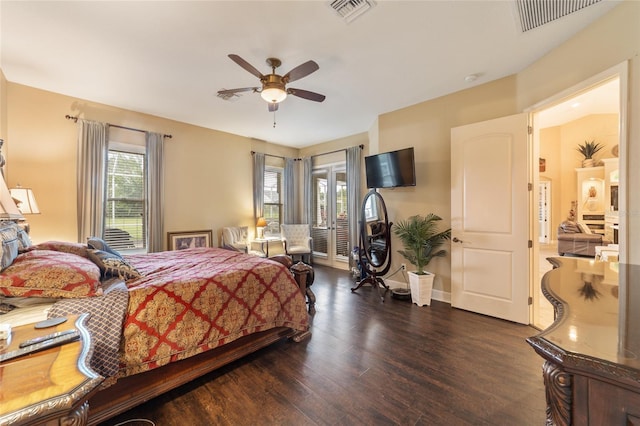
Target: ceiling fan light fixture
<point x="274" y="86"/>
<point x="273" y="94"/>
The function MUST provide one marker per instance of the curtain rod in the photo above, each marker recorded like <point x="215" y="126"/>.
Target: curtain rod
<point x="75" y="120"/>
<point x="276" y="156"/>
<point x="361" y="146"/>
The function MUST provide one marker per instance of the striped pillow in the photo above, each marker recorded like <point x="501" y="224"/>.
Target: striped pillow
<point x="10" y="244"/>
<point x="113" y="265"/>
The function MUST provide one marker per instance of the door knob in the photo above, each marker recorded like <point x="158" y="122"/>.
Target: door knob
<point x="456" y="240"/>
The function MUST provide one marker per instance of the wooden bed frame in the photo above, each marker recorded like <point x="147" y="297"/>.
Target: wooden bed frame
<point x="134" y="390"/>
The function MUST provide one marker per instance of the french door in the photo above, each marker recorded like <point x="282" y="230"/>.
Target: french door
<point x="330" y="225"/>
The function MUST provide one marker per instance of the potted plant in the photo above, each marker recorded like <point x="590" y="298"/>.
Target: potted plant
<point x="421" y="240"/>
<point x="588" y="149"/>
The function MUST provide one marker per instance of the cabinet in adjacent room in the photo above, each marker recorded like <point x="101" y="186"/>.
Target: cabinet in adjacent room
<point x="591" y="198"/>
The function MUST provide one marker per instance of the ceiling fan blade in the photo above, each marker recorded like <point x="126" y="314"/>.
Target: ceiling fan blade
<point x="273" y="107"/>
<point x="232" y="91"/>
<point x="305" y="94"/>
<point x="301" y="71"/>
<point x="246" y="65"/>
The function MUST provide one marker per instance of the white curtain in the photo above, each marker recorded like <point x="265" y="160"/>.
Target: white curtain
<point x="93" y="147"/>
<point x="289" y="214"/>
<point x="155" y="191"/>
<point x="354" y="170"/>
<point x="307" y="207"/>
<point x="258" y="186"/>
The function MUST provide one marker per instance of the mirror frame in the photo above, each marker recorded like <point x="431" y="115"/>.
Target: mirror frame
<point x="365" y="252"/>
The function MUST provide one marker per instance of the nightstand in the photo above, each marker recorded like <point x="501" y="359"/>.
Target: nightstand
<point x="260" y="246"/>
<point x="51" y="386"/>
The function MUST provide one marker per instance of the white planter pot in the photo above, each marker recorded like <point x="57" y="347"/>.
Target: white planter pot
<point x="421" y="287"/>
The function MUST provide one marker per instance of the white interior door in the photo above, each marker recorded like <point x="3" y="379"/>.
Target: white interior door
<point x="490" y="218"/>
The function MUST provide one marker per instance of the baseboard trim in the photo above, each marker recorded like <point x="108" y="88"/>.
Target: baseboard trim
<point x="439" y="295"/>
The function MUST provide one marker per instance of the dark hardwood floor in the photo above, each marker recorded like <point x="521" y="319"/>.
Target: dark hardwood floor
<point x="371" y="363"/>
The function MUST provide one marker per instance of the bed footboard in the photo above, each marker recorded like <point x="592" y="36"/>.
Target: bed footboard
<point x="134" y="390"/>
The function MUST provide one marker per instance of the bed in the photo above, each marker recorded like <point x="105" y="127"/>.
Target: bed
<point x="157" y="320"/>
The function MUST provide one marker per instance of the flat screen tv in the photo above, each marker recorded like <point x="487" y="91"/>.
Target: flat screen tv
<point x="391" y="169"/>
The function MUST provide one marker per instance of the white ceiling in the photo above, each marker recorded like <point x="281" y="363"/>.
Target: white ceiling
<point x="602" y="99"/>
<point x="169" y="58"/>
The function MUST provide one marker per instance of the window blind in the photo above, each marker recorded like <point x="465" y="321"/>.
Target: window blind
<point x="125" y="212"/>
<point x="272" y="211"/>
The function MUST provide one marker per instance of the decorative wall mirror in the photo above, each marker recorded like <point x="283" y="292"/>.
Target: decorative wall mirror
<point x="375" y="242"/>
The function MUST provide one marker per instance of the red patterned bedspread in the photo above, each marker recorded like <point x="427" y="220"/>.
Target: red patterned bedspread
<point x="189" y="301"/>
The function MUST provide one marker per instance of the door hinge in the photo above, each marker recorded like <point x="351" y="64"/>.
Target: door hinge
<point x="530" y="300"/>
<point x="530" y="186"/>
<point x="530" y="244"/>
<point x="530" y="130"/>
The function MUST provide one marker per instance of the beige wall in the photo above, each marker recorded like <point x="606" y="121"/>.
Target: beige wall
<point x="610" y="41"/>
<point x="208" y="174"/>
<point x="3" y="106"/>
<point x="427" y="127"/>
<point x="338" y="144"/>
<point x="550" y="144"/>
<point x="42" y="143"/>
<point x="613" y="39"/>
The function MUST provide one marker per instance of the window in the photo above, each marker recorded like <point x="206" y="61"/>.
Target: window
<point x="125" y="224"/>
<point x="272" y="210"/>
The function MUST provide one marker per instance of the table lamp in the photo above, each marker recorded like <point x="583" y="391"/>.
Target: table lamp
<point x="262" y="223"/>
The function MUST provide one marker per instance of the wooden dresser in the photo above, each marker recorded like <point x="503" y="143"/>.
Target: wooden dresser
<point x="592" y="350"/>
<point x="51" y="386"/>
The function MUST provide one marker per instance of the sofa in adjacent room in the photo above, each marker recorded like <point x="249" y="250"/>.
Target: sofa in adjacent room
<point x="576" y="238"/>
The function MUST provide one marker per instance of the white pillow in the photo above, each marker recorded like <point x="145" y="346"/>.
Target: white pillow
<point x="584" y="228"/>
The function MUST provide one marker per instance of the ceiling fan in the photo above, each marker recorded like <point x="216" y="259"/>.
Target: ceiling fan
<point x="274" y="88"/>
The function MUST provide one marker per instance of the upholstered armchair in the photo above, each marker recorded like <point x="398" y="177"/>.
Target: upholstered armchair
<point x="235" y="238"/>
<point x="297" y="241"/>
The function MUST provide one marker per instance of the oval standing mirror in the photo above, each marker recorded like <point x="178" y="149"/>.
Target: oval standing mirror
<point x="375" y="240"/>
<point x="374" y="229"/>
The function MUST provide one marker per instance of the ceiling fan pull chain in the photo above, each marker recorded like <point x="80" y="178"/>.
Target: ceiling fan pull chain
<point x="274" y="119"/>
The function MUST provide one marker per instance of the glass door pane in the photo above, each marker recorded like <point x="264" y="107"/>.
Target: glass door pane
<point x="330" y="227"/>
<point x="319" y="225"/>
<point x="341" y="215"/>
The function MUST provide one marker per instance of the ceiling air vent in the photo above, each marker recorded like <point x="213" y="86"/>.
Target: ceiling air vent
<point x="534" y="13"/>
<point x="351" y="9"/>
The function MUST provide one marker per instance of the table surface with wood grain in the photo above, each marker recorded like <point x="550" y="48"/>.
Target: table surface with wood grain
<point x="592" y="350"/>
<point x="49" y="384"/>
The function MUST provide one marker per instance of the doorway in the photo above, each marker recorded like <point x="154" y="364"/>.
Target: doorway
<point x="468" y="231"/>
<point x="593" y="110"/>
<point x="330" y="224"/>
<point x="544" y="211"/>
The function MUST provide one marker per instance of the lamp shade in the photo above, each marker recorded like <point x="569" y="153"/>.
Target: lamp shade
<point x="261" y="223"/>
<point x="8" y="208"/>
<point x="273" y="94"/>
<point x="25" y="200"/>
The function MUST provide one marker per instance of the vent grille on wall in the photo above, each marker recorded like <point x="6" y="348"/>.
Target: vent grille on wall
<point x="351" y="9"/>
<point x="534" y="13"/>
